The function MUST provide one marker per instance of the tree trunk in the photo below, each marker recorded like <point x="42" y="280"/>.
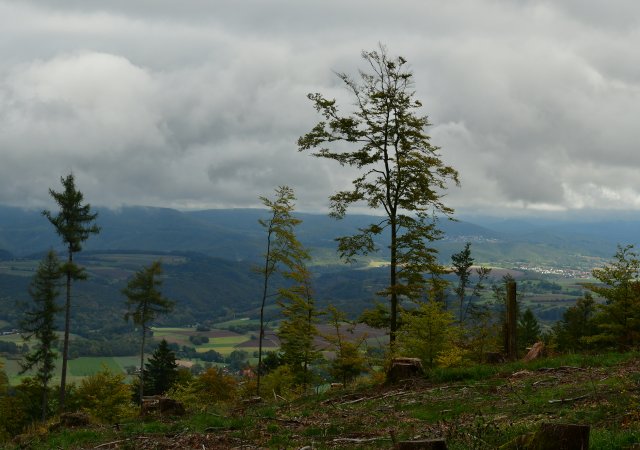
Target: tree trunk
<point x="65" y="346"/>
<point x="44" y="402"/>
<point x="512" y="322"/>
<point x="141" y="386"/>
<point x="393" y="279"/>
<point x="264" y="300"/>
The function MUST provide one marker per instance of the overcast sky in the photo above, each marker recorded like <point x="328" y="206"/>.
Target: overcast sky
<point x="199" y="103"/>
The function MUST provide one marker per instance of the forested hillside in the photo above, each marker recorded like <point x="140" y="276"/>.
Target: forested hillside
<point x="211" y="256"/>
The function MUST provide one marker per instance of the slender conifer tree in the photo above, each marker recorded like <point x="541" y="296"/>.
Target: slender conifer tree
<point x="39" y="322"/>
<point x="74" y="223"/>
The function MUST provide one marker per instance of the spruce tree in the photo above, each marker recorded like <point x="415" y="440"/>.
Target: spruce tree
<point x="619" y="317"/>
<point x="528" y="329"/>
<point x="39" y="322"/>
<point x="577" y="326"/>
<point x="462" y="263"/>
<point x="160" y="371"/>
<point x="144" y="303"/>
<point x="74" y="223"/>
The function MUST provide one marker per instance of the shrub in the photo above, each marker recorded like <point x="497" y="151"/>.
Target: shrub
<point x="281" y="381"/>
<point x="211" y="387"/>
<point x="105" y="396"/>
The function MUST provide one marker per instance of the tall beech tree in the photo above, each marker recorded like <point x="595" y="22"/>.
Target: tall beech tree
<point x="282" y="253"/>
<point x="144" y="303"/>
<point x="401" y="172"/>
<point x="74" y="223"/>
<point x="39" y="322"/>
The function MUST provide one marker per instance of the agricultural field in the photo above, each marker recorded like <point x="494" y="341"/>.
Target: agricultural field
<point x="78" y="367"/>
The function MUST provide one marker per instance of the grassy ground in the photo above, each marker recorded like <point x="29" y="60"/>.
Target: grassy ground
<point x="479" y="407"/>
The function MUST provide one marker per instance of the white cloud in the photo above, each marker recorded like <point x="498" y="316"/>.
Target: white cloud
<point x="199" y="104"/>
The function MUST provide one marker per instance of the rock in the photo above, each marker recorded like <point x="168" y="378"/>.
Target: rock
<point x="536" y="352"/>
<point x="428" y="444"/>
<point x="403" y="369"/>
<point x="552" y="436"/>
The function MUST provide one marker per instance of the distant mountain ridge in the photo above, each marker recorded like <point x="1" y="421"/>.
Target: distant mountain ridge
<point x="227" y="233"/>
<point x="235" y="234"/>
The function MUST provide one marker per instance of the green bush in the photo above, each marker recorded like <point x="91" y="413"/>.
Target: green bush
<point x="105" y="396"/>
<point x="211" y="387"/>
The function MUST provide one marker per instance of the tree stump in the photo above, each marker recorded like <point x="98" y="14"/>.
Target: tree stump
<point x="403" y="369"/>
<point x="428" y="444"/>
<point x="536" y="352"/>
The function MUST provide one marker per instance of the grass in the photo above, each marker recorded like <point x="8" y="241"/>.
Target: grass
<point x="479" y="407"/>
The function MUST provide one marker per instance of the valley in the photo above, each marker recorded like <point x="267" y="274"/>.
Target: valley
<point x="209" y="259"/>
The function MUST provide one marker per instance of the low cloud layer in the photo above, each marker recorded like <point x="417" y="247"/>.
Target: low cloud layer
<point x="199" y="104"/>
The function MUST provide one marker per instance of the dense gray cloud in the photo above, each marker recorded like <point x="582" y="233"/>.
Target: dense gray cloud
<point x="199" y="104"/>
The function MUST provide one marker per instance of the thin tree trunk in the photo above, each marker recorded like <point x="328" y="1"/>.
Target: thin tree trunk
<point x="393" y="280"/>
<point x="141" y="386"/>
<point x="264" y="300"/>
<point x="65" y="346"/>
<point x="44" y="402"/>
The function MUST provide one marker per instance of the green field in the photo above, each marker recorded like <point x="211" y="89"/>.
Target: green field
<point x="78" y="368"/>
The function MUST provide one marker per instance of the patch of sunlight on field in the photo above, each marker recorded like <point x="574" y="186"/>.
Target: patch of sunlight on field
<point x="228" y="340"/>
<point x="240" y="321"/>
<point x="178" y="330"/>
<point x="250" y="350"/>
